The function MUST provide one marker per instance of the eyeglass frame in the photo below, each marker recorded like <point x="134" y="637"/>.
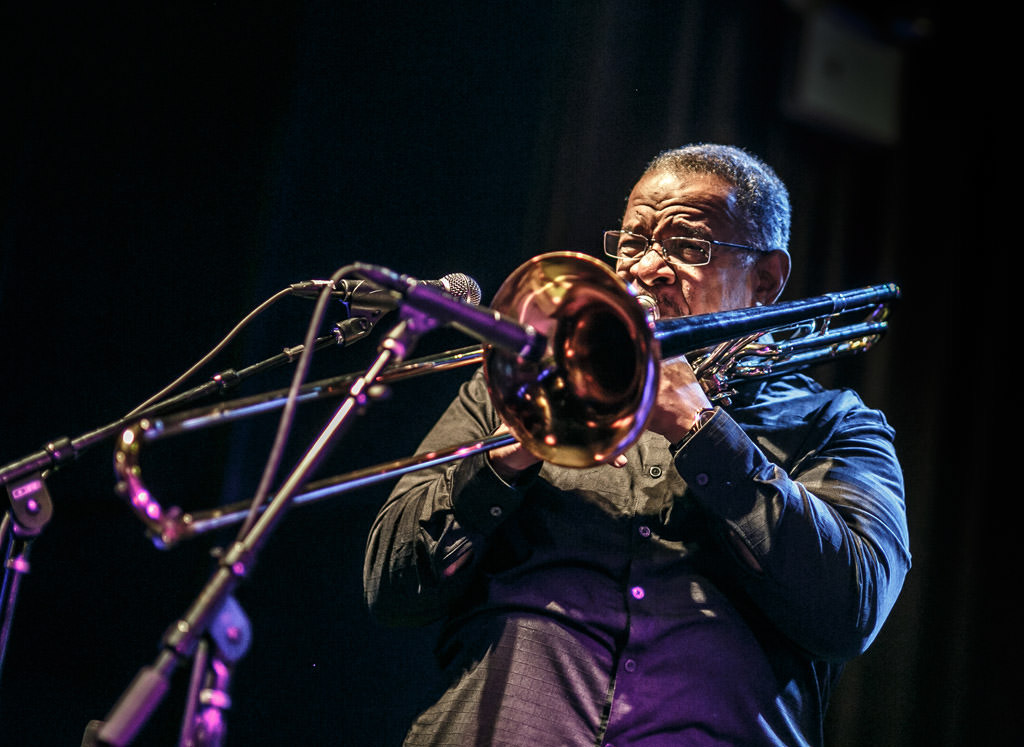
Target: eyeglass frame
<point x="651" y="242"/>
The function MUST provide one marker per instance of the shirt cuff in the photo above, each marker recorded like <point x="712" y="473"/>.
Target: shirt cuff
<point x="480" y="499"/>
<point x="718" y="464"/>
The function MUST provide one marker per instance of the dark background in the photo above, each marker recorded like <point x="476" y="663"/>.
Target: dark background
<point x="168" y="168"/>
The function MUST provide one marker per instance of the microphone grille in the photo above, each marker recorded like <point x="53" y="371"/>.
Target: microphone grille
<point x="463" y="287"/>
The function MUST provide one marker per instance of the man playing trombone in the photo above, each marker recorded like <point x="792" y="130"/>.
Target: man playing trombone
<point x="706" y="586"/>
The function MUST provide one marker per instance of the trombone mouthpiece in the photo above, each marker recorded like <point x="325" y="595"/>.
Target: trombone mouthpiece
<point x="650" y="307"/>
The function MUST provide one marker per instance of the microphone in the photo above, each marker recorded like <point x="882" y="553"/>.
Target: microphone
<point x="363" y="297"/>
<point x="486" y="325"/>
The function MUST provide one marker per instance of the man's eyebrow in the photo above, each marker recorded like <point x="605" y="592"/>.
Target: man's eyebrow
<point x="686" y="232"/>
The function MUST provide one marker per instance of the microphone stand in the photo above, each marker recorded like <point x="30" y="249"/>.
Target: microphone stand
<point x="182" y="639"/>
<point x="30" y="512"/>
<point x="203" y="724"/>
<point x="30" y="504"/>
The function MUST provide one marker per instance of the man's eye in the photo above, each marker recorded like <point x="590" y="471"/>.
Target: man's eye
<point x="631" y="248"/>
<point x="686" y="250"/>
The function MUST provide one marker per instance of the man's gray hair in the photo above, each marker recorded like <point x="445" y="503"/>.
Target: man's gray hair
<point x="760" y="194"/>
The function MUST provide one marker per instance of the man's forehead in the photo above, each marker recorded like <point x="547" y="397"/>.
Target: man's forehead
<point x="670" y="192"/>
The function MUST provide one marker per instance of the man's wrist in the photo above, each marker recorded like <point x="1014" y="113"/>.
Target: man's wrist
<point x="700" y="418"/>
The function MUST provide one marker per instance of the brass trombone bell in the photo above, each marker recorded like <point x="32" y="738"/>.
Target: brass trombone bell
<point x="588" y="397"/>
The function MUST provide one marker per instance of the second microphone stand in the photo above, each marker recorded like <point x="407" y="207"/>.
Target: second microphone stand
<point x="184" y="637"/>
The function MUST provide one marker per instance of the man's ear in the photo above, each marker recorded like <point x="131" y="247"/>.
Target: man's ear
<point x="772" y="272"/>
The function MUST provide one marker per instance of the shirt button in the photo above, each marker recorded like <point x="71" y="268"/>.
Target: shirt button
<point x="655" y="471"/>
<point x="637" y="592"/>
<point x="495" y="511"/>
<point x="703" y="479"/>
<point x="629" y="665"/>
<point x="645" y="531"/>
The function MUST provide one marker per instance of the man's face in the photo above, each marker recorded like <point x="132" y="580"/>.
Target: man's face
<point x="663" y="205"/>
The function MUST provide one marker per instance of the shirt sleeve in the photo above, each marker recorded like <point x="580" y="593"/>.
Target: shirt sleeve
<point x="822" y="551"/>
<point x="426" y="540"/>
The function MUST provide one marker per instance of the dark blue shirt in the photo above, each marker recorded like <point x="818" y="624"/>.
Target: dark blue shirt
<point x="707" y="595"/>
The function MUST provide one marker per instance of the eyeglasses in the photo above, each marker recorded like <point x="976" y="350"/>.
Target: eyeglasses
<point x="631" y="247"/>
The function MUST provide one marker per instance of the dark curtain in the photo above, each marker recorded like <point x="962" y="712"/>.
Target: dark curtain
<point x="169" y="168"/>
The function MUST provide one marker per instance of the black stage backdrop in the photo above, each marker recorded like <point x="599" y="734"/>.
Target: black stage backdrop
<point x="169" y="167"/>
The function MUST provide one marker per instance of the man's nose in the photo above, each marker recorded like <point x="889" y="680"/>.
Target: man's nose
<point x="652" y="268"/>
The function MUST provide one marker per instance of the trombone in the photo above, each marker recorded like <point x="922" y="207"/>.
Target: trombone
<point x="582" y="402"/>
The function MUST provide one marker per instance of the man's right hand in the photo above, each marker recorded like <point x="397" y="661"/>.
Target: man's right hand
<point x="509" y="461"/>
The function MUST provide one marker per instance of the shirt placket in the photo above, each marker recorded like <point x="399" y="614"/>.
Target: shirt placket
<point x="643" y="528"/>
